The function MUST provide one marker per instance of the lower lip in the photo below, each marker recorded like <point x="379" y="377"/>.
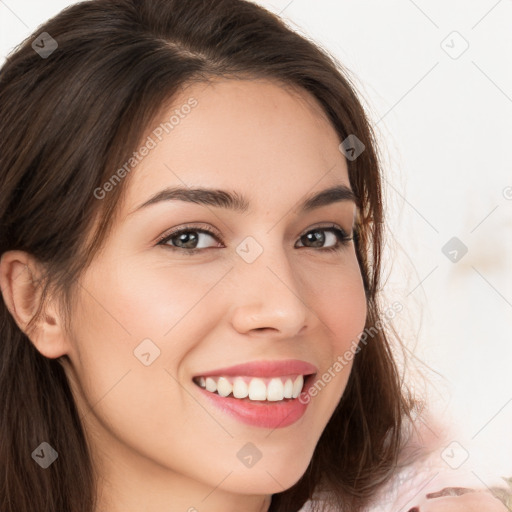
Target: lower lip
<point x="262" y="413"/>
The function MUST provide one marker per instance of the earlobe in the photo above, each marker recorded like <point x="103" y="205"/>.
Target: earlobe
<point x="21" y="286"/>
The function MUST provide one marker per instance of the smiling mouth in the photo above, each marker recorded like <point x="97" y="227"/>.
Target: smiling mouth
<point x="271" y="389"/>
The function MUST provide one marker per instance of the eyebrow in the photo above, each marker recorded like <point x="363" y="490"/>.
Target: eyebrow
<point x="238" y="203"/>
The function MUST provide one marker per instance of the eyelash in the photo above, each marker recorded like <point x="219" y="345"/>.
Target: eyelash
<point x="343" y="238"/>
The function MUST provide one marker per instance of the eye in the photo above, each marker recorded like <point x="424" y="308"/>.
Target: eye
<point x="186" y="238"/>
<point x="338" y="236"/>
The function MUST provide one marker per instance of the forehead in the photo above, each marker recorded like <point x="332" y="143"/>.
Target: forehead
<point x="259" y="137"/>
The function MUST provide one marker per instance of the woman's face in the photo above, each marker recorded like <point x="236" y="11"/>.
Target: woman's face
<point x="262" y="288"/>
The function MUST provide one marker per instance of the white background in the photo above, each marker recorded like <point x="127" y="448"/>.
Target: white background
<point x="445" y="128"/>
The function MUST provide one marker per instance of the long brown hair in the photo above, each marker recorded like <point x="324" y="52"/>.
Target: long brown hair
<point x="68" y="120"/>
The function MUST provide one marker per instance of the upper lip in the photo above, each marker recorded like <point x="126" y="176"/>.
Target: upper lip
<point x="265" y="368"/>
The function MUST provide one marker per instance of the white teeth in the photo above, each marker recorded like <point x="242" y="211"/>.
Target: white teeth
<point x="257" y="389"/>
<point x="297" y="386"/>
<point x="240" y="388"/>
<point x="211" y="385"/>
<point x="224" y="387"/>
<point x="273" y="390"/>
<point x="288" y="388"/>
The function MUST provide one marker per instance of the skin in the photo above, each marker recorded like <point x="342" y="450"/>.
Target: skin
<point x="157" y="443"/>
<point x="470" y="502"/>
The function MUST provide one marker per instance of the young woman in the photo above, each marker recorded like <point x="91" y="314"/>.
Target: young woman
<point x="191" y="231"/>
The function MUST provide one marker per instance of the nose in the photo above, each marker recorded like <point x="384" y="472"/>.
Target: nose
<point x="268" y="299"/>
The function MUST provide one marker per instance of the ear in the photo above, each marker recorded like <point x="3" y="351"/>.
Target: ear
<point x="20" y="285"/>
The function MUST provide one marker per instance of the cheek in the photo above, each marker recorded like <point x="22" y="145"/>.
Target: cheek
<point x="340" y="302"/>
<point x="140" y="320"/>
<point x="338" y="299"/>
<point x="146" y="301"/>
<point x="132" y="401"/>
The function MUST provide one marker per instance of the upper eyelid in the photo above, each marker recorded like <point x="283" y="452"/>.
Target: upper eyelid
<point x="212" y="232"/>
<point x="186" y="227"/>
